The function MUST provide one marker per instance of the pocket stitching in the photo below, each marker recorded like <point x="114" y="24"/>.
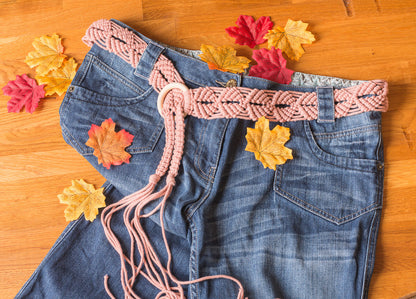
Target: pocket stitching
<point x="371" y="128"/>
<point x="321" y="213"/>
<point x="116" y="75"/>
<point x="152" y="142"/>
<point x="104" y="98"/>
<point x="366" y="165"/>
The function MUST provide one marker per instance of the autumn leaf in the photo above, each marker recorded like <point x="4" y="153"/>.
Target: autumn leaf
<point x="290" y="38"/>
<point x="223" y="59"/>
<point x="249" y="32"/>
<point x="268" y="145"/>
<point x="82" y="197"/>
<point x="59" y="79"/>
<point x="108" y="145"/>
<point x="24" y="92"/>
<point x="271" y="65"/>
<point x="48" y="55"/>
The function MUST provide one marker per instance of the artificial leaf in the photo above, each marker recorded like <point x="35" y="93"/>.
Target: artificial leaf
<point x="48" y="55"/>
<point x="271" y="65"/>
<point x="108" y="145"/>
<point x="24" y="92"/>
<point x="249" y="32"/>
<point x="82" y="197"/>
<point x="268" y="145"/>
<point x="223" y="59"/>
<point x="290" y="38"/>
<point x="59" y="79"/>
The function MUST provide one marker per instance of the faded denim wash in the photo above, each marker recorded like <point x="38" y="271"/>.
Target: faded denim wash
<point x="306" y="230"/>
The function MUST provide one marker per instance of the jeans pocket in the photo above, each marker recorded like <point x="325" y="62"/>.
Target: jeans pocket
<point x="106" y="87"/>
<point x="336" y="172"/>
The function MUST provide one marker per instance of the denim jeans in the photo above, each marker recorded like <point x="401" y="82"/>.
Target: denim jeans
<point x="305" y="230"/>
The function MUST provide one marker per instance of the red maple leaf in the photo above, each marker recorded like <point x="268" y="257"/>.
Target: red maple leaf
<point x="249" y="32"/>
<point x="271" y="65"/>
<point x="24" y="92"/>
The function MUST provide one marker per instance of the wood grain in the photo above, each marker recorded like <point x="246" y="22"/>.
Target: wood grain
<point x="356" y="39"/>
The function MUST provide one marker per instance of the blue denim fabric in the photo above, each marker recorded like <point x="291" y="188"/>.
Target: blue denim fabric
<point x="306" y="230"/>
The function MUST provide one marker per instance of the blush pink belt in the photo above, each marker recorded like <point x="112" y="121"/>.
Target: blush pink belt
<point x="175" y="101"/>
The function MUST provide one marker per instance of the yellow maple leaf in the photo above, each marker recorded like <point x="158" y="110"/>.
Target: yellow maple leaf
<point x="48" y="55"/>
<point x="290" y="38"/>
<point x="223" y="59"/>
<point x="59" y="79"/>
<point x="268" y="145"/>
<point x="82" y="197"/>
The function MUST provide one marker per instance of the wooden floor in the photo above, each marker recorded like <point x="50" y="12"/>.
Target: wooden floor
<point x="356" y="39"/>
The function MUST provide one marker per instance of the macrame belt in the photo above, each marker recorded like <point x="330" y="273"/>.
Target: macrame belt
<point x="175" y="101"/>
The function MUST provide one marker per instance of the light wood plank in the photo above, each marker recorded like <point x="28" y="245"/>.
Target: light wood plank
<point x="367" y="39"/>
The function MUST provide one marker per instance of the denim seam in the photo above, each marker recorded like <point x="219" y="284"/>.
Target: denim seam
<point x="321" y="155"/>
<point x="197" y="160"/>
<point x="219" y="147"/>
<point x="319" y="212"/>
<point x="193" y="261"/>
<point x="116" y="75"/>
<point x="73" y="141"/>
<point x="84" y="70"/>
<point x="368" y="257"/>
<point x="195" y="206"/>
<point x="372" y="128"/>
<point x="380" y="144"/>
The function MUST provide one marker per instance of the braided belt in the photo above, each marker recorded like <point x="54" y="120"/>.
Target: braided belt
<point x="175" y="101"/>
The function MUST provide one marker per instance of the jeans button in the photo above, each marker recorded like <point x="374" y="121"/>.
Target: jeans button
<point x="231" y="83"/>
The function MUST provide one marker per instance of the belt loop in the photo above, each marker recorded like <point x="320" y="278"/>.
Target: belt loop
<point x="326" y="111"/>
<point x="148" y="59"/>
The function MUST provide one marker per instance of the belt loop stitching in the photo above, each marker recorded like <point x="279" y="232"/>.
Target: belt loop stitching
<point x="326" y="105"/>
<point x="148" y="59"/>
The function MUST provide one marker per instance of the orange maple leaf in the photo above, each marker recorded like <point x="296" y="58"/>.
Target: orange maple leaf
<point x="268" y="145"/>
<point x="48" y="55"/>
<point x="290" y="38"/>
<point x="108" y="145"/>
<point x="58" y="80"/>
<point x="223" y="59"/>
<point x="82" y="197"/>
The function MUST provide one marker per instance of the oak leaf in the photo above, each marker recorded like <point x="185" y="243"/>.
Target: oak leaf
<point x="24" y="91"/>
<point x="268" y="145"/>
<point x="249" y="32"/>
<point x="48" y="55"/>
<point x="59" y="79"/>
<point x="271" y="65"/>
<point x="290" y="38"/>
<point x="82" y="197"/>
<point x="108" y="145"/>
<point x="223" y="59"/>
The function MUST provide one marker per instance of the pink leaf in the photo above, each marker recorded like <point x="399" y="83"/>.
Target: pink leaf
<point x="249" y="32"/>
<point x="271" y="65"/>
<point x="24" y="92"/>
